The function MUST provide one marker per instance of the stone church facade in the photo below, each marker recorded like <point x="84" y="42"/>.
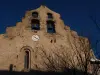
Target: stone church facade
<point x="41" y="41"/>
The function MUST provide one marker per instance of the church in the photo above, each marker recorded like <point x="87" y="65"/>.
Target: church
<point x="41" y="41"/>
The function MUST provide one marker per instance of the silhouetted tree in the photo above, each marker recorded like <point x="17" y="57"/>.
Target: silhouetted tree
<point x="59" y="60"/>
<point x="96" y="65"/>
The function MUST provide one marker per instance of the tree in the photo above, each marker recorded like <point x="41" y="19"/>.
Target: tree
<point x="58" y="59"/>
<point x="96" y="65"/>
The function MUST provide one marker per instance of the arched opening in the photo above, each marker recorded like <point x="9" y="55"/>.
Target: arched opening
<point x="26" y="60"/>
<point x="35" y="25"/>
<point x="35" y="15"/>
<point x="50" y="16"/>
<point x="50" y="27"/>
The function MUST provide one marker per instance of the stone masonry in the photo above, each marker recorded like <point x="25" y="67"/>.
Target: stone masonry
<point x="45" y="50"/>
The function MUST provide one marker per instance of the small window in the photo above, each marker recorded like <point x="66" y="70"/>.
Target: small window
<point x="50" y="16"/>
<point x="35" y="14"/>
<point x="50" y="27"/>
<point x="35" y="25"/>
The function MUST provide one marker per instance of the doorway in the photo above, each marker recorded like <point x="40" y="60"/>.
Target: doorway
<point x="26" y="57"/>
<point x="26" y="60"/>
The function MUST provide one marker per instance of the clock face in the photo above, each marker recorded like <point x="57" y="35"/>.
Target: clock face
<point x="35" y="37"/>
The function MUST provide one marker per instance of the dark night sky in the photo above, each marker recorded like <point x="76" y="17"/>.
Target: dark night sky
<point x="75" y="14"/>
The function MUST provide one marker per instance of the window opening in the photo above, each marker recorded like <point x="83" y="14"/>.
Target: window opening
<point x="50" y="27"/>
<point x="35" y="25"/>
<point x="35" y="14"/>
<point x="50" y="16"/>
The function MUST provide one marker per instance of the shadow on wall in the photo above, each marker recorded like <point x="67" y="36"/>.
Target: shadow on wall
<point x="36" y="72"/>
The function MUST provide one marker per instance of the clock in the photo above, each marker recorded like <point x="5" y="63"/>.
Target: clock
<point x="35" y="37"/>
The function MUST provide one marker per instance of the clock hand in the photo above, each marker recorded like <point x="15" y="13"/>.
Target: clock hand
<point x="36" y="37"/>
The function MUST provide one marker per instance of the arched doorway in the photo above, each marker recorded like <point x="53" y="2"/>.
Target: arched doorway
<point x="26" y="57"/>
<point x="26" y="60"/>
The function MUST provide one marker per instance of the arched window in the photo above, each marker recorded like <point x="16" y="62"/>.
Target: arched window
<point x="35" y="15"/>
<point x="50" y="16"/>
<point x="35" y="25"/>
<point x="50" y="27"/>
